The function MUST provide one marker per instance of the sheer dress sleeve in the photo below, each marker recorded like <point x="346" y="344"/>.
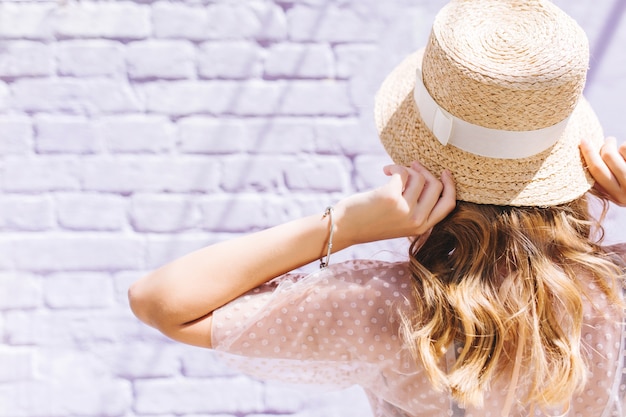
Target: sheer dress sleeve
<point x="340" y="326"/>
<point x="335" y="327"/>
<point x="604" y="349"/>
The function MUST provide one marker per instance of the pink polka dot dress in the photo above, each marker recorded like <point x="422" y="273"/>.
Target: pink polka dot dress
<point x="339" y="327"/>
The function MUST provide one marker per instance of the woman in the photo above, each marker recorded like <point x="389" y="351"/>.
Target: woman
<point x="508" y="305"/>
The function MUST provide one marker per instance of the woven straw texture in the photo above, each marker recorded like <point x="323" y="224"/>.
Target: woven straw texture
<point x="508" y="65"/>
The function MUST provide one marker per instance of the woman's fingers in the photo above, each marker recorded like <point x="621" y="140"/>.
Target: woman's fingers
<point x="412" y="182"/>
<point x="622" y="150"/>
<point x="415" y="187"/>
<point x="447" y="200"/>
<point x="598" y="169"/>
<point x="431" y="188"/>
<point x="399" y="176"/>
<point x="614" y="158"/>
<point x="429" y="200"/>
<point x="608" y="168"/>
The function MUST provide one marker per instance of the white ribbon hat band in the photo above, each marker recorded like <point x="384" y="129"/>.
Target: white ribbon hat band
<point x="479" y="140"/>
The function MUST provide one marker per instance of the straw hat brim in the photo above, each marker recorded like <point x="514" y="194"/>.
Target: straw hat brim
<point x="554" y="176"/>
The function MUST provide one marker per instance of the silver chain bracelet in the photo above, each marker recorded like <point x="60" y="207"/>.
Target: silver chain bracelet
<point x="328" y="212"/>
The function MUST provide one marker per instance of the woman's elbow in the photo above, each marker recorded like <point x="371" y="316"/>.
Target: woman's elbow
<point x="147" y="304"/>
<point x="156" y="307"/>
<point x="139" y="301"/>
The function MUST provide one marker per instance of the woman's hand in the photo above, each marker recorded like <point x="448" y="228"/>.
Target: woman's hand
<point x="608" y="168"/>
<point x="410" y="204"/>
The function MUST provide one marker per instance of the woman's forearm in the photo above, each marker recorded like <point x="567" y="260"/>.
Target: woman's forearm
<point x="202" y="281"/>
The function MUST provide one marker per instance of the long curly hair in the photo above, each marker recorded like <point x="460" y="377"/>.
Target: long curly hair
<point x="504" y="284"/>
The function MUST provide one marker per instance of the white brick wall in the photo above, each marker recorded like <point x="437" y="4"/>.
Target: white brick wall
<point x="133" y="132"/>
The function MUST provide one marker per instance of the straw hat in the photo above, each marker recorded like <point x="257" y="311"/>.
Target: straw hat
<point x="496" y="97"/>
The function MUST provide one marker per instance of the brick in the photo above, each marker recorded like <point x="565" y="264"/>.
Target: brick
<point x="5" y="95"/>
<point x="16" y="135"/>
<point x="258" y="20"/>
<point x="20" y="291"/>
<point x="90" y="58"/>
<point x="26" y="212"/>
<point x="16" y="364"/>
<point x="52" y="173"/>
<point x="351" y="58"/>
<point x="118" y="20"/>
<point x="197" y="134"/>
<point x="252" y="98"/>
<point x="310" y="203"/>
<point x="77" y="252"/>
<point x="25" y="59"/>
<point x="137" y="133"/>
<point x="299" y="61"/>
<point x="161" y="249"/>
<point x="60" y="397"/>
<point x="177" y="20"/>
<point x="66" y="362"/>
<point x="139" y="359"/>
<point x="89" y="290"/>
<point x="287" y="399"/>
<point x="6" y="261"/>
<point x="214" y="395"/>
<point x="181" y="98"/>
<point x="320" y="174"/>
<point x="253" y="20"/>
<point x="93" y="96"/>
<point x="316" y="3"/>
<point x="65" y="134"/>
<point x="270" y="23"/>
<point x="275" y="135"/>
<point x="89" y="211"/>
<point x="329" y="24"/>
<point x="229" y="60"/>
<point x="75" y="328"/>
<point x="296" y="98"/>
<point x="282" y="135"/>
<point x="258" y="173"/>
<point x="369" y="171"/>
<point x="300" y="401"/>
<point x="198" y="363"/>
<point x="150" y="174"/>
<point x="26" y="21"/>
<point x="347" y="136"/>
<point x="244" y="212"/>
<point x="29" y="328"/>
<point x="160" y="59"/>
<point x="164" y="213"/>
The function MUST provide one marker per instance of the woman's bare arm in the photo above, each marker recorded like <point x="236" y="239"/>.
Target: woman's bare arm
<point x="178" y="298"/>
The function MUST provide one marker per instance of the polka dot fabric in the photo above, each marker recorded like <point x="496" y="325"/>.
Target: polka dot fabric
<point x="339" y="327"/>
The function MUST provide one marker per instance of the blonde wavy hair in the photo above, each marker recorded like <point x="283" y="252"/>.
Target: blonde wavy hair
<point x="503" y="283"/>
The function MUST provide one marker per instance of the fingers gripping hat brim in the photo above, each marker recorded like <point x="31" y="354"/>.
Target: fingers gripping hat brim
<point x="554" y="176"/>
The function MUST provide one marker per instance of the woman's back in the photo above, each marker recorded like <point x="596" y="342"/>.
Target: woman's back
<point x="335" y="328"/>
